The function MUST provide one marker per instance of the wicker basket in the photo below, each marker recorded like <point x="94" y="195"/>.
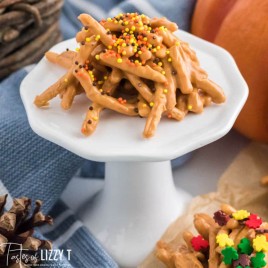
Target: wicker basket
<point x="28" y="28"/>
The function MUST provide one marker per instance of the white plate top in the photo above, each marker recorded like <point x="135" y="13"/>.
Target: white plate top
<point x="118" y="137"/>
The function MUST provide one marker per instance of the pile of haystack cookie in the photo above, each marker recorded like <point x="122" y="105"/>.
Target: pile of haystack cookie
<point x="230" y="238"/>
<point x="135" y="66"/>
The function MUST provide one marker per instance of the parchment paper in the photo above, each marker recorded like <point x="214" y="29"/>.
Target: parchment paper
<point x="239" y="186"/>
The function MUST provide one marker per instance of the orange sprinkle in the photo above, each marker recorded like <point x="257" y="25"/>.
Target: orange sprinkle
<point x="266" y="236"/>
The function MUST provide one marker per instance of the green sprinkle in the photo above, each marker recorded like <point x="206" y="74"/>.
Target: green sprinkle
<point x="229" y="255"/>
<point x="245" y="247"/>
<point x="258" y="261"/>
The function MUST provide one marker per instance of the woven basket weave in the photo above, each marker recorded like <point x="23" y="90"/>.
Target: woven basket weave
<point x="28" y="28"/>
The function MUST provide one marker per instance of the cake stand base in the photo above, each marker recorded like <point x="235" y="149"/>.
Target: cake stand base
<point x="138" y="202"/>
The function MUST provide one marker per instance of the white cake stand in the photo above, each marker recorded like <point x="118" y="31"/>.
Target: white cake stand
<point x="139" y="199"/>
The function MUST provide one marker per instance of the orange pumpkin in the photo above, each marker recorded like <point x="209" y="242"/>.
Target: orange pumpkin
<point x="241" y="27"/>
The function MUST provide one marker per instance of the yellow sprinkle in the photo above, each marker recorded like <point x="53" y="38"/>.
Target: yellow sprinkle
<point x="158" y="47"/>
<point x="163" y="72"/>
<point x="100" y="82"/>
<point x="154" y="50"/>
<point x="95" y="118"/>
<point x="66" y="80"/>
<point x="131" y="32"/>
<point x="90" y="72"/>
<point x="105" y="77"/>
<point x="110" y="47"/>
<point x="167" y="52"/>
<point x="126" y="29"/>
<point x="169" y="60"/>
<point x="140" y="52"/>
<point x="224" y="240"/>
<point x="124" y="53"/>
<point x="119" y="60"/>
<point x="126" y="23"/>
<point x="77" y="49"/>
<point x="177" y="43"/>
<point x="144" y="105"/>
<point x="135" y="49"/>
<point x="150" y="45"/>
<point x="101" y="90"/>
<point x="133" y="28"/>
<point x="116" y="22"/>
<point x="142" y="16"/>
<point x="190" y="107"/>
<point x="97" y="57"/>
<point x="107" y="29"/>
<point x="88" y="39"/>
<point x="140" y="23"/>
<point x="145" y="38"/>
<point x="109" y="19"/>
<point x="136" y="61"/>
<point x="241" y="215"/>
<point x="149" y="28"/>
<point x="124" y="45"/>
<point x="141" y="28"/>
<point x="260" y="243"/>
<point x="165" y="91"/>
<point x="160" y="63"/>
<point x="151" y="104"/>
<point x="97" y="38"/>
<point x="115" y="44"/>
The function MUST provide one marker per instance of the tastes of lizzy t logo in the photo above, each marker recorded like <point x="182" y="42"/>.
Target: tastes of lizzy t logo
<point x="15" y="253"/>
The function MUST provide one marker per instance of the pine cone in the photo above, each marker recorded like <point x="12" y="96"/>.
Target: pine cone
<point x="16" y="231"/>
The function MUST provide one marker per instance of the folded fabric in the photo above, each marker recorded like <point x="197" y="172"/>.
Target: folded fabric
<point x="31" y="166"/>
<point x="34" y="167"/>
<point x="68" y="233"/>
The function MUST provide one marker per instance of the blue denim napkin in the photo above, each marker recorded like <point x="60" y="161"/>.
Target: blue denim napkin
<point x="31" y="166"/>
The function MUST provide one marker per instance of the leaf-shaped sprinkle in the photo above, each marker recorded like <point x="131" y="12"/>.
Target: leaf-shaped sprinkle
<point x="244" y="246"/>
<point x="254" y="221"/>
<point x="258" y="261"/>
<point x="229" y="255"/>
<point x="199" y="243"/>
